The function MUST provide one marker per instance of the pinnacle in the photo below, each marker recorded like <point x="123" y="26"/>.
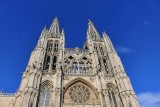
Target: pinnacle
<point x="45" y="28"/>
<point x="62" y="31"/>
<point x="89" y="22"/>
<point x="55" y="19"/>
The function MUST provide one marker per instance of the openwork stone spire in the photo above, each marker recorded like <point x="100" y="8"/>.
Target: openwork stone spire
<point x="108" y="43"/>
<point x="92" y="32"/>
<point x="54" y="29"/>
<point x="44" y="32"/>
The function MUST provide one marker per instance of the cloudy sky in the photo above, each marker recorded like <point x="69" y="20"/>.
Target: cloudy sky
<point x="133" y="26"/>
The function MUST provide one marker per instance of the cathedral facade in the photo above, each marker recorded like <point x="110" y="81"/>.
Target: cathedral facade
<point x="71" y="77"/>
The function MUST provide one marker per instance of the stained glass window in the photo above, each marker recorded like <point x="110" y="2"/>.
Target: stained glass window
<point x="79" y="94"/>
<point x="45" y="96"/>
<point x="112" y="98"/>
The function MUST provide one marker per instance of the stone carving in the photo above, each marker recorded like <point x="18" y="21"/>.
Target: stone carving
<point x="66" y="77"/>
<point x="79" y="94"/>
<point x="92" y="79"/>
<point x="76" y="51"/>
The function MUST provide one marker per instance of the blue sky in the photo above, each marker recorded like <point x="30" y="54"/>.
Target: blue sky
<point x="133" y="26"/>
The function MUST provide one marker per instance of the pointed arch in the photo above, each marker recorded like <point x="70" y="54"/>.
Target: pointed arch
<point x="113" y="94"/>
<point x="79" y="80"/>
<point x="44" y="98"/>
<point x="47" y="82"/>
<point x="79" y="91"/>
<point x="111" y="85"/>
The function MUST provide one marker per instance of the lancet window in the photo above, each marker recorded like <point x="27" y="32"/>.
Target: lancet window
<point x="83" y="66"/>
<point x="105" y="65"/>
<point x="46" y="62"/>
<point x="56" y="46"/>
<point x="52" y="46"/>
<point x="95" y="47"/>
<point x="101" y="50"/>
<point x="54" y="62"/>
<point x="45" y="96"/>
<point x="49" y="46"/>
<point x="114" y="98"/>
<point x="130" y="104"/>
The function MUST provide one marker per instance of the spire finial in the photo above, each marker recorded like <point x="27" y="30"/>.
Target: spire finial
<point x="105" y="34"/>
<point x="54" y="29"/>
<point x="55" y="19"/>
<point x="45" y="28"/>
<point x="89" y="22"/>
<point x="62" y="32"/>
<point x="92" y="32"/>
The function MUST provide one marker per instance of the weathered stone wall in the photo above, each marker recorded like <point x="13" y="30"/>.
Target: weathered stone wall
<point x="5" y="100"/>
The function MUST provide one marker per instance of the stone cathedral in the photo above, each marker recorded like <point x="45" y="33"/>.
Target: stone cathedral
<point x="72" y="77"/>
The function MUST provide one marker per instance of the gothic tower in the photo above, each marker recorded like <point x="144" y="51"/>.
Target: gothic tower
<point x="64" y="77"/>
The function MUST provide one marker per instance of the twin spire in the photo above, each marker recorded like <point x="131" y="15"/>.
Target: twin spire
<point x="92" y="32"/>
<point x="54" y="31"/>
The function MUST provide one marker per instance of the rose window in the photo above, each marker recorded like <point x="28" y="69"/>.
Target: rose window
<point x="79" y="94"/>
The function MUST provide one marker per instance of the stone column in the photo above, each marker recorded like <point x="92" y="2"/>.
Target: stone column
<point x="58" y="87"/>
<point x="99" y="90"/>
<point x="107" y="103"/>
<point x="51" y="63"/>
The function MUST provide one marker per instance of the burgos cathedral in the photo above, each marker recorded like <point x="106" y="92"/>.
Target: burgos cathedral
<point x="72" y="77"/>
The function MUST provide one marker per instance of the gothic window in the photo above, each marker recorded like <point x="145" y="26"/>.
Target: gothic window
<point x="47" y="62"/>
<point x="79" y="94"/>
<point x="45" y="96"/>
<point x="112" y="98"/>
<point x="56" y="47"/>
<point x="101" y="50"/>
<point x="54" y="62"/>
<point x="49" y="46"/>
<point x="82" y="67"/>
<point x="105" y="65"/>
<point x="95" y="47"/>
<point x="130" y="104"/>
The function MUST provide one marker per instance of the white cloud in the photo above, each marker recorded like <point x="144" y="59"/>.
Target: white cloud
<point x="123" y="50"/>
<point x="149" y="99"/>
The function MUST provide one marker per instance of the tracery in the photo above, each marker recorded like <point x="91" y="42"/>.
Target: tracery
<point x="45" y="96"/>
<point x="114" y="97"/>
<point x="82" y="66"/>
<point x="79" y="94"/>
<point x="51" y="56"/>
